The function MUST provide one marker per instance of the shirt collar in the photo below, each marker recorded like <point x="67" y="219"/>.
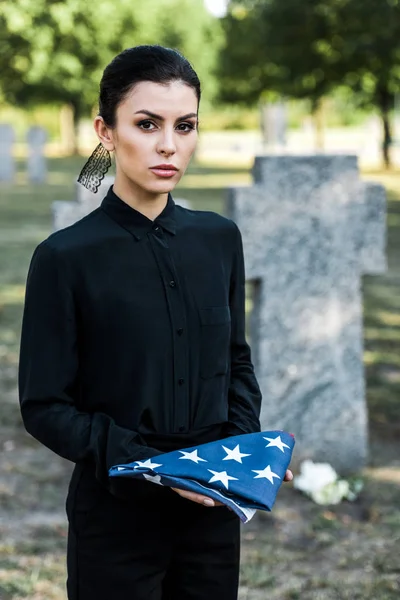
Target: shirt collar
<point x="135" y="221"/>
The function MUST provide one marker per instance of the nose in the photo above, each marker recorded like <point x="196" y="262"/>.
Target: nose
<point x="166" y="143"/>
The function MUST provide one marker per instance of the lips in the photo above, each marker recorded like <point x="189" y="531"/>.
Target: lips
<point x="164" y="170"/>
<point x="166" y="167"/>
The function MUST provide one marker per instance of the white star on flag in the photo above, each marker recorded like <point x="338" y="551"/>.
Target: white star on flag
<point x="234" y="454"/>
<point x="153" y="478"/>
<point x="221" y="476"/>
<point x="267" y="473"/>
<point x="191" y="456"/>
<point x="147" y="464"/>
<point x="276" y="442"/>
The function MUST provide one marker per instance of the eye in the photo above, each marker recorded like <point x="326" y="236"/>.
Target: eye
<point x="146" y="125"/>
<point x="186" y="127"/>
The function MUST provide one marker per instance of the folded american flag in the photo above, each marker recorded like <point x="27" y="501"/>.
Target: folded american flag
<point x="243" y="472"/>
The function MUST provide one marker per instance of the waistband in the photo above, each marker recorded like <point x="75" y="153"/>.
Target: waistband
<point x="177" y="441"/>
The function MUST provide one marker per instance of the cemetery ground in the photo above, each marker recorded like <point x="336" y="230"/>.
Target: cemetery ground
<point x="300" y="550"/>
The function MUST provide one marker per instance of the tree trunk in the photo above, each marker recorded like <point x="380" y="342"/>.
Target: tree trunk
<point x="67" y="129"/>
<point x="77" y="118"/>
<point x="263" y="116"/>
<point x="317" y="112"/>
<point x="385" y="105"/>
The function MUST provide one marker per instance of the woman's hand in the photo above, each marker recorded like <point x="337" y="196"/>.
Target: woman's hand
<point x="205" y="501"/>
<point x="199" y="498"/>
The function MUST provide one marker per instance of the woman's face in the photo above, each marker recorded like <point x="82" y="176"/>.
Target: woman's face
<point x="155" y="125"/>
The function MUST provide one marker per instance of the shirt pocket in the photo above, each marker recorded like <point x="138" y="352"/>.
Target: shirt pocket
<point x="215" y="341"/>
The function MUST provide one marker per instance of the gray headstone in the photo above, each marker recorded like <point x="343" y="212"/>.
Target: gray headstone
<point x="67" y="213"/>
<point x="183" y="202"/>
<point x="274" y="124"/>
<point x="7" y="163"/>
<point x="311" y="228"/>
<point x="37" y="165"/>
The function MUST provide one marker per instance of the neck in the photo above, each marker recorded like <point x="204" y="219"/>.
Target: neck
<point x="148" y="203"/>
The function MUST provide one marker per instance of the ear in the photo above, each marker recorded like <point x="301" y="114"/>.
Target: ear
<point x="104" y="133"/>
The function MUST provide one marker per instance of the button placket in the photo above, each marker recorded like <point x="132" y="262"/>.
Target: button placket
<point x="176" y="307"/>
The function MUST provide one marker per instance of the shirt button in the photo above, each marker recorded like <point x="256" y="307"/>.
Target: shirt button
<point x="181" y="381"/>
<point x="156" y="228"/>
<point x="172" y="284"/>
<point x="179" y="331"/>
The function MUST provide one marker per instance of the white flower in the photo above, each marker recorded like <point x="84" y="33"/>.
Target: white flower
<point x="321" y="482"/>
<point x="314" y="476"/>
<point x="332" y="493"/>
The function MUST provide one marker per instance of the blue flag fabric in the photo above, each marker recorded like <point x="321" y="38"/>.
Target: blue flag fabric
<point x="243" y="472"/>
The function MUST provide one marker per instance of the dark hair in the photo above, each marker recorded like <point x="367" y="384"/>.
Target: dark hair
<point x="142" y="63"/>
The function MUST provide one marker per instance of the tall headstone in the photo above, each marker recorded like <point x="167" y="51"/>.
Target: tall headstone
<point x="37" y="165"/>
<point x="7" y="163"/>
<point x="66" y="213"/>
<point x="311" y="228"/>
<point x="274" y="124"/>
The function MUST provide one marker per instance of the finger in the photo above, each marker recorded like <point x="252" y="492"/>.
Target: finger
<point x="200" y="499"/>
<point x="195" y="497"/>
<point x="288" y="475"/>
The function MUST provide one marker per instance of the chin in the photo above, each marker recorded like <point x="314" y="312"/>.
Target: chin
<point x="163" y="187"/>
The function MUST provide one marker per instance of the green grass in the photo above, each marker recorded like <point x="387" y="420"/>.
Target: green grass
<point x="382" y="321"/>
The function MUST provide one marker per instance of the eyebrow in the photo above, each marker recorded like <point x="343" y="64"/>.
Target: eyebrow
<point x="160" y="118"/>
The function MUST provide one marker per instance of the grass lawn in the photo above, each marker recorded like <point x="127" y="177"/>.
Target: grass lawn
<point x="299" y="551"/>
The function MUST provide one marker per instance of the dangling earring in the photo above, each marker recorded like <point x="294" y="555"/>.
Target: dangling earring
<point x="95" y="168"/>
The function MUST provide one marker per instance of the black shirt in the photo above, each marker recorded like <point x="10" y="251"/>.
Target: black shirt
<point x="133" y="337"/>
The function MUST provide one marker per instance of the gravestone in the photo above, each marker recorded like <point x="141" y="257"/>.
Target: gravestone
<point x="66" y="213"/>
<point x="311" y="228"/>
<point x="182" y="202"/>
<point x="37" y="165"/>
<point x="7" y="163"/>
<point x="274" y="124"/>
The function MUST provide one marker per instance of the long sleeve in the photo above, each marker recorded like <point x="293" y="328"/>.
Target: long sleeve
<point x="48" y="376"/>
<point x="244" y="394"/>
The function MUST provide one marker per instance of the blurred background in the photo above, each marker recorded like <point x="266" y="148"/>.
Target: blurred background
<point x="278" y="77"/>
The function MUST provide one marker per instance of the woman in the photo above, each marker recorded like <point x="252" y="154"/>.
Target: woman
<point x="133" y="344"/>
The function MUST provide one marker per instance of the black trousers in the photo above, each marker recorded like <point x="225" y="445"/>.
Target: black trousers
<point x="148" y="544"/>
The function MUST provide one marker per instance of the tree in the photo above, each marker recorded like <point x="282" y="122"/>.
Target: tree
<point x="55" y="51"/>
<point x="307" y="48"/>
<point x="263" y="51"/>
<point x="369" y="44"/>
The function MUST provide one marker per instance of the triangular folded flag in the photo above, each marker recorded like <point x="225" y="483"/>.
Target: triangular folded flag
<point x="243" y="472"/>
